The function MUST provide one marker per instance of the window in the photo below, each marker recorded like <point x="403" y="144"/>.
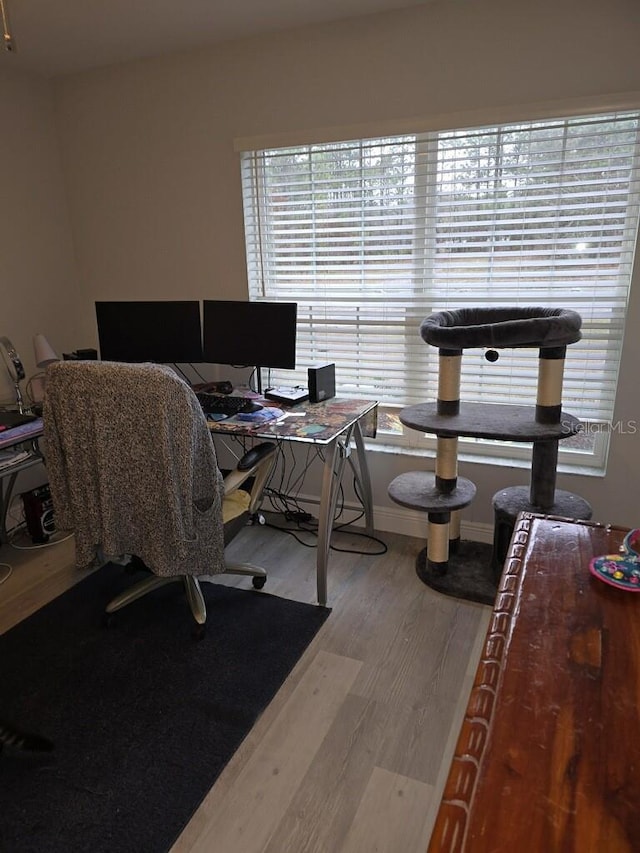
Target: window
<point x="371" y="236"/>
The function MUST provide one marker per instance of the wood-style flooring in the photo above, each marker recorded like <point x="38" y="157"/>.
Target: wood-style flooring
<point x="352" y="753"/>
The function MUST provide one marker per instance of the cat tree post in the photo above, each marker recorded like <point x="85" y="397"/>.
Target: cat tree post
<point x="542" y="496"/>
<point x="449" y="364"/>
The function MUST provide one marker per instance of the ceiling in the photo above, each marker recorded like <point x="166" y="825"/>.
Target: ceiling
<point x="55" y="37"/>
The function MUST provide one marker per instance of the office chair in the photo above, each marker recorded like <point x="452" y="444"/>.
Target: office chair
<point x="133" y="471"/>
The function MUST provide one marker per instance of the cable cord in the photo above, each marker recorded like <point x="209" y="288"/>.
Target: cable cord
<point x="5" y="577"/>
<point x="314" y="532"/>
<point x="179" y="370"/>
<point x="36" y="547"/>
<point x="283" y="499"/>
<point x="197" y="372"/>
<point x="28" y="390"/>
<point x="369" y="537"/>
<point x="292" y="512"/>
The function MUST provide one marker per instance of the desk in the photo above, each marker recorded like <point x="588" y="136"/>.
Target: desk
<point x="548" y="757"/>
<point x="25" y="436"/>
<point x="330" y="424"/>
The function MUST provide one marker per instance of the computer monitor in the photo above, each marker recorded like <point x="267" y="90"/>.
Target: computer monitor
<point x="158" y="331"/>
<point x="250" y="334"/>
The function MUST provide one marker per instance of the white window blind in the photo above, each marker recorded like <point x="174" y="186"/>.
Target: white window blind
<point x="371" y="236"/>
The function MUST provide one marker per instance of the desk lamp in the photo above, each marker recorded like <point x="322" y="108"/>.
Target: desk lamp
<point x="44" y="352"/>
<point x="44" y="355"/>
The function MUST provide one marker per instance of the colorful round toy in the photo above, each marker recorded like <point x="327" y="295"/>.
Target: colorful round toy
<point x="617" y="570"/>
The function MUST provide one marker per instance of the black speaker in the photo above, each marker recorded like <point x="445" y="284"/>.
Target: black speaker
<point x="322" y="382"/>
<point x="38" y="513"/>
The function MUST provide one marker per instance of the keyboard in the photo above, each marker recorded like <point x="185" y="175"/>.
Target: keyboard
<point x="224" y="404"/>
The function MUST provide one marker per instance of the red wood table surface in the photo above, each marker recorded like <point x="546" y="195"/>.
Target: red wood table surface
<point x="548" y="757"/>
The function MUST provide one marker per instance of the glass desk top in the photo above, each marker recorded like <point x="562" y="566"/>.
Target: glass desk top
<point x="320" y="423"/>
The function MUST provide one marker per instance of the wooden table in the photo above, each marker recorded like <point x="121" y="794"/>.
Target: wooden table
<point x="548" y="757"/>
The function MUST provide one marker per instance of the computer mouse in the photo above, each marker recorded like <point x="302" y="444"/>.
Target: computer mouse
<point x="252" y="407"/>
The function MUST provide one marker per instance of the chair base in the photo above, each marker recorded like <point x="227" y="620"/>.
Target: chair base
<point x="191" y="586"/>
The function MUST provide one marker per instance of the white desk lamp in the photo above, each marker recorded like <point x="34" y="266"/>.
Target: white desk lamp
<point x="44" y="355"/>
<point x="44" y="352"/>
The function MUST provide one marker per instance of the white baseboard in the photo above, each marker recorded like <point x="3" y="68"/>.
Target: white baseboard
<point x="407" y="522"/>
<point x="410" y="523"/>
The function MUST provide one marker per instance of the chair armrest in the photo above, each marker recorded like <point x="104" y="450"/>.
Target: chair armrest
<point x="233" y="480"/>
<point x="256" y="455"/>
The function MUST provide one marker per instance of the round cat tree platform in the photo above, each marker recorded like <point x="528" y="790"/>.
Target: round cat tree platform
<point x="472" y="570"/>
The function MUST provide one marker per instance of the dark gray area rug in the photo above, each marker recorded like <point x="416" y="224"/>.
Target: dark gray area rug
<point x="143" y="717"/>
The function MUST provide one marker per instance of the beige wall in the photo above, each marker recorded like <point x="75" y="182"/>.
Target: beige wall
<point x="38" y="283"/>
<point x="153" y="179"/>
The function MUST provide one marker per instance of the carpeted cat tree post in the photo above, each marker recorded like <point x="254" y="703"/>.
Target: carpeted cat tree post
<point x="472" y="570"/>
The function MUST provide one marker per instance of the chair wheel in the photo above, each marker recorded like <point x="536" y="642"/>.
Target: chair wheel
<point x="259" y="582"/>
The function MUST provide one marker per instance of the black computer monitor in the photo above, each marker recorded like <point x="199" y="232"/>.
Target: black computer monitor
<point x="250" y="334"/>
<point x="158" y="331"/>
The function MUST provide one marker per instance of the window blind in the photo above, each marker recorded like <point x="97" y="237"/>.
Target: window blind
<point x="371" y="236"/>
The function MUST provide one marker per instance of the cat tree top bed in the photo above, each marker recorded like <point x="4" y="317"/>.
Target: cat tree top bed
<point x="502" y="327"/>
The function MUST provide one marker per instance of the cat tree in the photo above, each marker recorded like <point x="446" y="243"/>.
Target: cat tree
<point x="472" y="570"/>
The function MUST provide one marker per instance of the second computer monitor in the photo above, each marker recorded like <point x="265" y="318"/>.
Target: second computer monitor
<point x="159" y="331"/>
<point x="250" y="334"/>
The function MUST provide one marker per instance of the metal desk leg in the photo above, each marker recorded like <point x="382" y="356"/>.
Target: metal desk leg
<point x="361" y="473"/>
<point x="6" y="492"/>
<point x="331" y="478"/>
